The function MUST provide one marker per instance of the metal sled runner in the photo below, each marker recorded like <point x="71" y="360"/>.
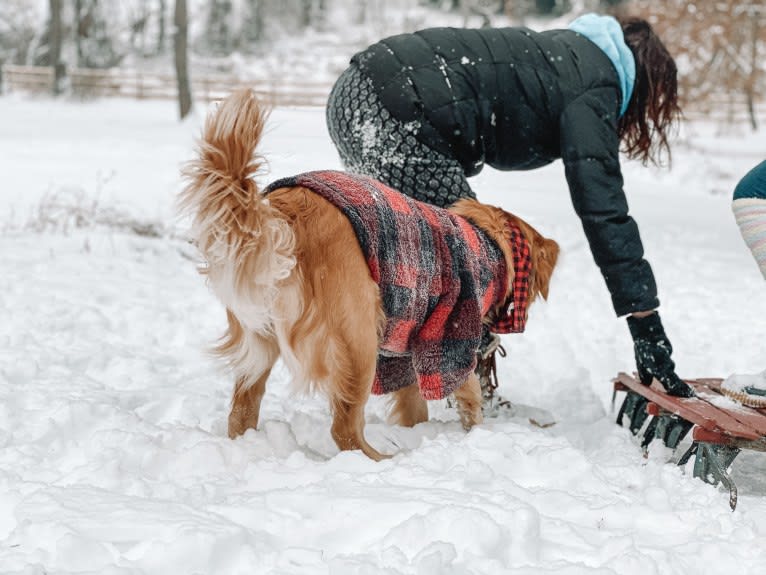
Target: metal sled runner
<point x="720" y="427"/>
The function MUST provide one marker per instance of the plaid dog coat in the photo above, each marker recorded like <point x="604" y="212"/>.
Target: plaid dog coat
<point x="439" y="275"/>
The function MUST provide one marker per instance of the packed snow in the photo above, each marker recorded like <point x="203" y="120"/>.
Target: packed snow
<point x="114" y="458"/>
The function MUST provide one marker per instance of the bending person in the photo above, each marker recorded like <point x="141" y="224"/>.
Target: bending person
<point x="425" y="111"/>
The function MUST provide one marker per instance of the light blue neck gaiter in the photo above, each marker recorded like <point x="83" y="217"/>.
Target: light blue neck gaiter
<point x="606" y="33"/>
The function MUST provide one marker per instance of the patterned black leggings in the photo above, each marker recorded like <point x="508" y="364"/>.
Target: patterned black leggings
<point x="373" y="143"/>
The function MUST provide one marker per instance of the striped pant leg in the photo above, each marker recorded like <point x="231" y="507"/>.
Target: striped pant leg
<point x="371" y="142"/>
<point x="749" y="207"/>
<point x="750" y="214"/>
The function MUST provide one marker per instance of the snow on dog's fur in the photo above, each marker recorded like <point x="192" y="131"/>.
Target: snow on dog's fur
<point x="296" y="284"/>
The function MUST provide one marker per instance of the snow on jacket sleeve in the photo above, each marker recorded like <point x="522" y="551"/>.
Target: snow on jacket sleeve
<point x="590" y="151"/>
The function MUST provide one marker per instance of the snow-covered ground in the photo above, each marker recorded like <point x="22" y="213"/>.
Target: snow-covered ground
<point x="114" y="458"/>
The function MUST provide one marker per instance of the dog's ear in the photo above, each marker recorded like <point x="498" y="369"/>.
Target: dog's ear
<point x="544" y="257"/>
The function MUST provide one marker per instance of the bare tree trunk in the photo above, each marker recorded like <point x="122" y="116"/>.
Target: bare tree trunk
<point x="752" y="81"/>
<point x="161" y="26"/>
<point x="77" y="28"/>
<point x="54" y="46"/>
<point x="252" y="32"/>
<point x="258" y="15"/>
<point x="305" y="16"/>
<point x="181" y="58"/>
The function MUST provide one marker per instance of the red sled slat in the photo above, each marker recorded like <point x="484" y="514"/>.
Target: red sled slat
<point x="694" y="410"/>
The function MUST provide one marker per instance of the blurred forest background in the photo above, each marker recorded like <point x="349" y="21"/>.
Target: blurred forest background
<point x="292" y="50"/>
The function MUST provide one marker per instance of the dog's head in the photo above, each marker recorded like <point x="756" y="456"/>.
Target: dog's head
<point x="503" y="227"/>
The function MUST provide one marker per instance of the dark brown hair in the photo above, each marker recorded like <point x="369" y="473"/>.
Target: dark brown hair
<point x="653" y="109"/>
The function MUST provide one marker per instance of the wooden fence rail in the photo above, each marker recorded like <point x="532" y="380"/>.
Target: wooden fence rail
<point x="117" y="82"/>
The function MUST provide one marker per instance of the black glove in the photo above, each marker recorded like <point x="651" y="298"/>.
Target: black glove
<point x="653" y="349"/>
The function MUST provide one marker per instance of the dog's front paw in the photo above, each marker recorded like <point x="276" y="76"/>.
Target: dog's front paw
<point x="468" y="398"/>
<point x="470" y="417"/>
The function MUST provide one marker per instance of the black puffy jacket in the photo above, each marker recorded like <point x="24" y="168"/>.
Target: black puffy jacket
<point x="516" y="100"/>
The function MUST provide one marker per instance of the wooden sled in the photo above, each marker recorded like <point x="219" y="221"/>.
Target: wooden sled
<point x="720" y="427"/>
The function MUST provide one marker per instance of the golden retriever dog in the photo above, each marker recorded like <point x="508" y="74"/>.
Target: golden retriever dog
<point x="358" y="288"/>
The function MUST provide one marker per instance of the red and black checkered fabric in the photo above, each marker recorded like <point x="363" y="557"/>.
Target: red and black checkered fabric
<point x="438" y="275"/>
<point x="513" y="318"/>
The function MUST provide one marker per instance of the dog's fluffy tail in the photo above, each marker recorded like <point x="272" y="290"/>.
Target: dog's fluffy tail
<point x="247" y="245"/>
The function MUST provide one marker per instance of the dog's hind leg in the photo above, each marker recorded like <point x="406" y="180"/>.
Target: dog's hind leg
<point x="334" y="340"/>
<point x="408" y="406"/>
<point x="351" y="353"/>
<point x="251" y="356"/>
<point x="468" y="398"/>
<point x="350" y="388"/>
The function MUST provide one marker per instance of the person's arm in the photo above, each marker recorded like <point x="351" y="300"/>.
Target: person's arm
<point x="590" y="152"/>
